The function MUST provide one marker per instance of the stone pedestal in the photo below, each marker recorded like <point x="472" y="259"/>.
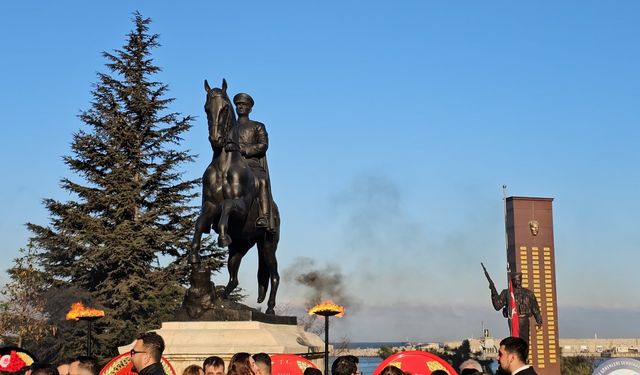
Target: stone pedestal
<point x="188" y="343"/>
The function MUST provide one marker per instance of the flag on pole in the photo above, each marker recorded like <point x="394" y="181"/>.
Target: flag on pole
<point x="515" y="322"/>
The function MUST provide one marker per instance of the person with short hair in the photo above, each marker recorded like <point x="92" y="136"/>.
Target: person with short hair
<point x="63" y="366"/>
<point x="44" y="369"/>
<point x="344" y="365"/>
<point x="213" y="365"/>
<point x="193" y="370"/>
<point x="84" y="365"/>
<point x="147" y="354"/>
<point x="391" y="370"/>
<point x="355" y="359"/>
<point x="512" y="356"/>
<point x="263" y="363"/>
<point x="470" y="367"/>
<point x="311" y="371"/>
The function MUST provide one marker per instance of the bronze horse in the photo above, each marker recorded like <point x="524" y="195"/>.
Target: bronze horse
<point x="229" y="201"/>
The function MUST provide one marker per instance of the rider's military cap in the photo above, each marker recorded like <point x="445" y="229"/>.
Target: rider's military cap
<point x="242" y="97"/>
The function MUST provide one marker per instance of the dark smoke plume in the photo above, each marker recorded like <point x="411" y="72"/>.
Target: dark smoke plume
<point x="320" y="282"/>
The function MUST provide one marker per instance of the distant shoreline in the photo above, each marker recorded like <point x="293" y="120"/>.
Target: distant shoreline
<point x="365" y="349"/>
<point x="373" y="344"/>
<point x="358" y="352"/>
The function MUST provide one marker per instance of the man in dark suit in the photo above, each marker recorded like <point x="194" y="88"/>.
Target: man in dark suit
<point x="512" y="356"/>
<point x="146" y="354"/>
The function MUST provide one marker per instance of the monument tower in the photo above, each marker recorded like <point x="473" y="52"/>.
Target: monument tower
<point x="530" y="251"/>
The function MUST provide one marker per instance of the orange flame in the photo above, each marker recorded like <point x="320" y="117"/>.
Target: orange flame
<point x="79" y="311"/>
<point x="327" y="308"/>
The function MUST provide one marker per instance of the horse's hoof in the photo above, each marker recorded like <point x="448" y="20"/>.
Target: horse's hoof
<point x="229" y="289"/>
<point x="262" y="293"/>
<point x="224" y="241"/>
<point x="270" y="311"/>
<point x="225" y="294"/>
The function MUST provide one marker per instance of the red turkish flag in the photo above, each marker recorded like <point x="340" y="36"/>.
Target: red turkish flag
<point x="515" y="323"/>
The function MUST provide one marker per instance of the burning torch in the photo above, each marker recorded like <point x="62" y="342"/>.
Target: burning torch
<point x="80" y="312"/>
<point x="327" y="309"/>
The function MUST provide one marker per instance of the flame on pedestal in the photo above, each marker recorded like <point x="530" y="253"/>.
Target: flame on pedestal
<point x="78" y="310"/>
<point x="327" y="308"/>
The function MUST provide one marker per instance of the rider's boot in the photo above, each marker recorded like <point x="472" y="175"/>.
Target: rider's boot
<point x="263" y="208"/>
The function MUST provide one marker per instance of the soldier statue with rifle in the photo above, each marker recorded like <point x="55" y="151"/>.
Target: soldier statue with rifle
<point x="526" y="304"/>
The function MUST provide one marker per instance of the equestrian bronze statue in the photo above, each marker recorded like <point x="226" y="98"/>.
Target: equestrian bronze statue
<point x="236" y="193"/>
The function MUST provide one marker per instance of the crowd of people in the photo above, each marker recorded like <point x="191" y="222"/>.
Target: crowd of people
<point x="512" y="360"/>
<point x="82" y="365"/>
<point x="147" y="352"/>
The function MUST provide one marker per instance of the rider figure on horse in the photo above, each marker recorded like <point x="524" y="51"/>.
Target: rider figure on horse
<point x="254" y="142"/>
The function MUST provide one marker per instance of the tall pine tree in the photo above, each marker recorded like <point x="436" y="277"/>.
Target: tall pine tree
<point x="129" y="209"/>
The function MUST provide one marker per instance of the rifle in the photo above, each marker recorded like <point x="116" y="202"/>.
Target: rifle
<point x="492" y="286"/>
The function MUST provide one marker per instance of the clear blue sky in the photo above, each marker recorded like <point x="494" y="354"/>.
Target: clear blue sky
<point x="393" y="126"/>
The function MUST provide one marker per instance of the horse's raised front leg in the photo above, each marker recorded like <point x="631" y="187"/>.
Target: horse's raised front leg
<point x="203" y="225"/>
<point x="236" y="207"/>
<point x="237" y="250"/>
<point x="224" y="239"/>
<point x="229" y="206"/>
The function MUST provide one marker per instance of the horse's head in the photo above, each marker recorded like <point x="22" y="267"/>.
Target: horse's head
<point x="220" y="115"/>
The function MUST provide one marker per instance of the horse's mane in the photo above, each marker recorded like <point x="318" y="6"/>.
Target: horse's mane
<point x="233" y="124"/>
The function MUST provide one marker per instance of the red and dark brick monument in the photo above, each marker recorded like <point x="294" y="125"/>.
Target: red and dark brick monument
<point x="530" y="250"/>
